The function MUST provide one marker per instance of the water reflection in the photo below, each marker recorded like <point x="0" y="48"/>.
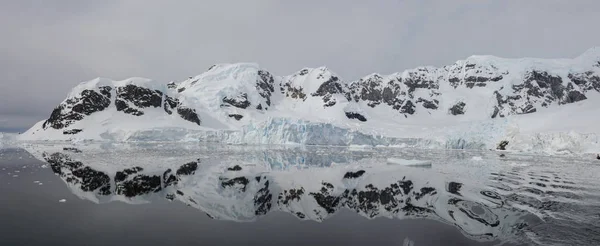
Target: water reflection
<point x="243" y="187"/>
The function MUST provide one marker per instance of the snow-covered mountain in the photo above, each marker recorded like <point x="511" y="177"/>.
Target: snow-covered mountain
<point x="243" y="103"/>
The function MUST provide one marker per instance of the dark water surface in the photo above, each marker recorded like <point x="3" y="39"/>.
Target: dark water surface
<point x="31" y="214"/>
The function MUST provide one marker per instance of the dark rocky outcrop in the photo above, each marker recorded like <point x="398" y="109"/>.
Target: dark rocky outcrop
<point x="296" y="93"/>
<point x="188" y="168"/>
<point x="353" y="175"/>
<point x="327" y="90"/>
<point x="76" y="108"/>
<point x="265" y="86"/>
<point x="170" y="104"/>
<point x="131" y="99"/>
<point x="502" y="145"/>
<point x="189" y="115"/>
<point x="352" y="115"/>
<point x="518" y="91"/>
<point x="586" y="81"/>
<point x="124" y="107"/>
<point x="169" y="178"/>
<point x="236" y="116"/>
<point x="72" y="131"/>
<point x="240" y="101"/>
<point x="397" y="92"/>
<point x="369" y="90"/>
<point x="433" y="104"/>
<point x="234" y="168"/>
<point x="458" y="108"/>
<point x="408" y="108"/>
<point x="139" y="96"/>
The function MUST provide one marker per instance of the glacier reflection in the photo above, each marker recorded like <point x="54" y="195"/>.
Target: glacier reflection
<point x="311" y="184"/>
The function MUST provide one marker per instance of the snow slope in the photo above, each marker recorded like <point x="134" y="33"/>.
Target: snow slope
<point x="473" y="103"/>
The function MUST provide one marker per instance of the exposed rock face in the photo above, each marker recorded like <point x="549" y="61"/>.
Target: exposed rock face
<point x="471" y="74"/>
<point x="541" y="89"/>
<point x="292" y="92"/>
<point x="418" y="89"/>
<point x="502" y="145"/>
<point x="327" y="90"/>
<point x="169" y="178"/>
<point x="188" y="168"/>
<point x="241" y="101"/>
<point x="458" y="108"/>
<point x="189" y="115"/>
<point x="234" y="168"/>
<point x="370" y="90"/>
<point x="586" y="81"/>
<point x="352" y="115"/>
<point x="170" y="104"/>
<point x="501" y="87"/>
<point x="236" y="116"/>
<point x="265" y="85"/>
<point x="171" y="85"/>
<point x="398" y="90"/>
<point x="76" y="108"/>
<point x="72" y="131"/>
<point x="131" y="99"/>
<point x="353" y="175"/>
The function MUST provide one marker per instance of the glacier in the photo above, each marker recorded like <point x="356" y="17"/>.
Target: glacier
<point x="537" y="105"/>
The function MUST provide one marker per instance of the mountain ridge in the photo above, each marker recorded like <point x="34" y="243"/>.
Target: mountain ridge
<point x="232" y="97"/>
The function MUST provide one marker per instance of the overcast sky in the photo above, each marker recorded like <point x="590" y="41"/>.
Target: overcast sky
<point x="48" y="46"/>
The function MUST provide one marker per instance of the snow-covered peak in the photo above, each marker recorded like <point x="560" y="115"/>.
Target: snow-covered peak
<point x="236" y="73"/>
<point x="223" y="81"/>
<point x="309" y="80"/>
<point x="594" y="52"/>
<point x="239" y="96"/>
<point x="591" y="57"/>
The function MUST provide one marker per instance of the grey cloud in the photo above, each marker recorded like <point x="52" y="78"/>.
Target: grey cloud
<point x="47" y="47"/>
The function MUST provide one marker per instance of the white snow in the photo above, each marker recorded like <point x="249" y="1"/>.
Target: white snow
<point x="404" y="162"/>
<point x="571" y="128"/>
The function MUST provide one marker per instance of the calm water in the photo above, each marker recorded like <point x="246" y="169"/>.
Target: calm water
<point x="514" y="200"/>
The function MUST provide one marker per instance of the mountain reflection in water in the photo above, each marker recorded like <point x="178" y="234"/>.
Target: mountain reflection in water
<point x="513" y="198"/>
<point x="309" y="184"/>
